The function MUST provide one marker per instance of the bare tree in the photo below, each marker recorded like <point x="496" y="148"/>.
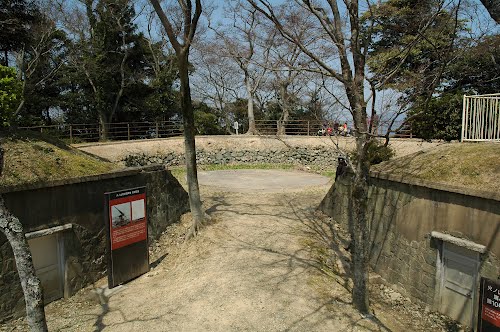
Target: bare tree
<point x="342" y="38"/>
<point x="241" y="46"/>
<point x="13" y="230"/>
<point x="186" y="35"/>
<point x="31" y="58"/>
<point x="340" y="52"/>
<point x="284" y="66"/>
<point x="216" y="80"/>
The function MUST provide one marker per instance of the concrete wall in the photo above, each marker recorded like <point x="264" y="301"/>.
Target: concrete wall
<point x="80" y="203"/>
<point x="404" y="212"/>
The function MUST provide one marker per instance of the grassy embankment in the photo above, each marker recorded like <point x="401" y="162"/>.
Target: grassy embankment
<point x="31" y="158"/>
<point x="470" y="165"/>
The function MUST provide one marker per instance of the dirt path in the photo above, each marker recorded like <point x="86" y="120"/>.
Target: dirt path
<point x="254" y="268"/>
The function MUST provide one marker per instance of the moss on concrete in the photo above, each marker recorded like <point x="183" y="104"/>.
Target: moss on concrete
<point x="471" y="165"/>
<point x="34" y="158"/>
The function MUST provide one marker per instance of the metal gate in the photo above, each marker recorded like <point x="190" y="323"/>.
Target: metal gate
<point x="46" y="252"/>
<point x="481" y="118"/>
<point x="458" y="283"/>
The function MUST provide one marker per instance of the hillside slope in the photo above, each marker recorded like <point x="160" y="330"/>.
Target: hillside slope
<point x="33" y="158"/>
<point x="470" y="165"/>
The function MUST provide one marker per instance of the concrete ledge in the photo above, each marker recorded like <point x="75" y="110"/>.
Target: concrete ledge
<point x="48" y="184"/>
<point x="459" y="242"/>
<point x="48" y="231"/>
<point x="406" y="179"/>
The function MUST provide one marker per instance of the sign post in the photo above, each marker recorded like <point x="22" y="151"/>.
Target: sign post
<point x="127" y="228"/>
<point x="489" y="306"/>
<point x="236" y="126"/>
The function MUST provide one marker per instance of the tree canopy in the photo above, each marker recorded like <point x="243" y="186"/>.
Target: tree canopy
<point x="17" y="18"/>
<point x="103" y="61"/>
<point x="10" y="93"/>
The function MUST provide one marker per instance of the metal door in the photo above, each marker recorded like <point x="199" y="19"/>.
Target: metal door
<point x="458" y="283"/>
<point x="46" y="252"/>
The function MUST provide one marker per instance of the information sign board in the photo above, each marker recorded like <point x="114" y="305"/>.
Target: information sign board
<point x="127" y="228"/>
<point x="489" y="306"/>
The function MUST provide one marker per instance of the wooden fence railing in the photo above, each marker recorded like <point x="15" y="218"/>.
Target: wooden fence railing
<point x="116" y="131"/>
<point x="123" y="131"/>
<point x="292" y="127"/>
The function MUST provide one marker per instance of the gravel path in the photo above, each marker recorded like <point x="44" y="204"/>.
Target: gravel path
<point x="255" y="267"/>
<point x="250" y="270"/>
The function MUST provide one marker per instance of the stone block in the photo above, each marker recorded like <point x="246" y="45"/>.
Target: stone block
<point x="430" y="257"/>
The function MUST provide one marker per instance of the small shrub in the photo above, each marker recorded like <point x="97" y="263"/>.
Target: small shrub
<point x="377" y="153"/>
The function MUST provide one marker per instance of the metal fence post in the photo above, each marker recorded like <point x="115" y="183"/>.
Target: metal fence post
<point x="308" y="128"/>
<point x="157" y="130"/>
<point x="128" y="131"/>
<point x="70" y="134"/>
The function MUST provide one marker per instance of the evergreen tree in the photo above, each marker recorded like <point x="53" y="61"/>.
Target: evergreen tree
<point x="110" y="64"/>
<point x="10" y="93"/>
<point x="16" y="20"/>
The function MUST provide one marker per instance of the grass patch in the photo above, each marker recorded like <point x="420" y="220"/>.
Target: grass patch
<point x="31" y="158"/>
<point x="179" y="172"/>
<point x="471" y="165"/>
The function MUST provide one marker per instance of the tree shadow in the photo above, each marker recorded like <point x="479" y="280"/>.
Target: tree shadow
<point x="389" y="195"/>
<point x="289" y="219"/>
<point x="158" y="261"/>
<point x="99" y="324"/>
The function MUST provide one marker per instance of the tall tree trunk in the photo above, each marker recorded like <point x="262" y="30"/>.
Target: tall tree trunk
<point x="103" y="126"/>
<point x="360" y="231"/>
<point x="251" y="118"/>
<point x="285" y="107"/>
<point x="283" y="121"/>
<point x="12" y="228"/>
<point x="358" y="222"/>
<point x="182" y="53"/>
<point x="190" y="148"/>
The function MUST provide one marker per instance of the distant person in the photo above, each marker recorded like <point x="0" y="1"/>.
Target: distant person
<point x="336" y="127"/>
<point x="340" y="130"/>
<point x="322" y="131"/>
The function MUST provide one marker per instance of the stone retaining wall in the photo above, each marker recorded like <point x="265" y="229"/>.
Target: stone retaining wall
<point x="79" y="204"/>
<point x="320" y="156"/>
<point x="403" y="215"/>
